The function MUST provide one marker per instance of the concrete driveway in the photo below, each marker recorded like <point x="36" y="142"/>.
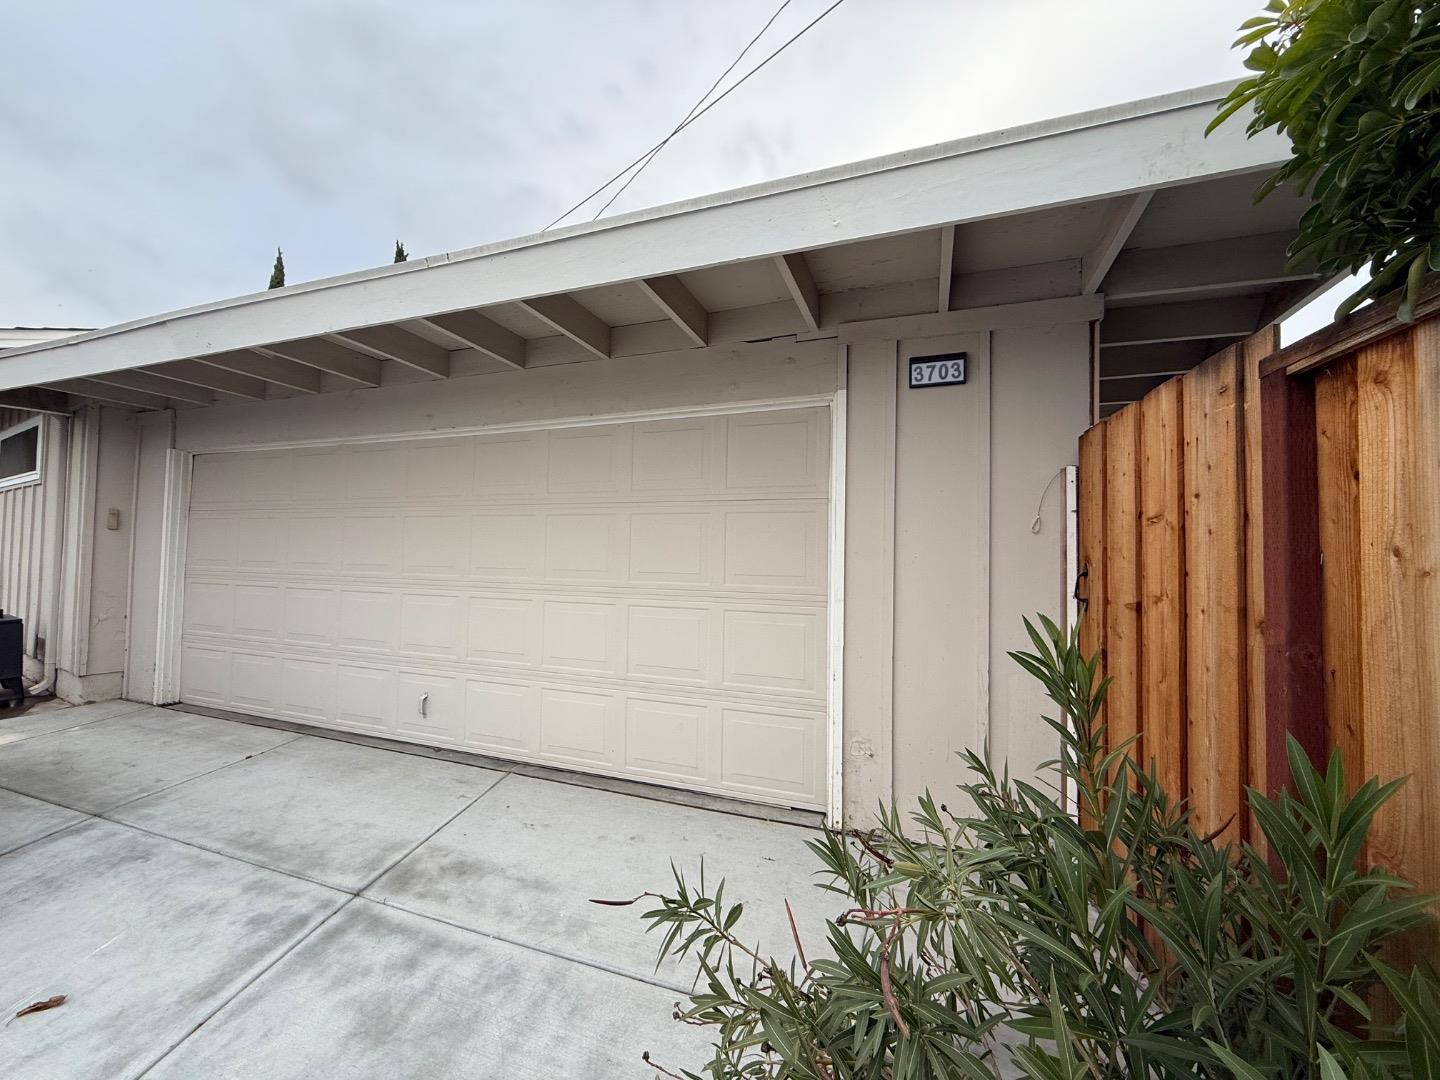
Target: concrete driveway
<point x="220" y="899"/>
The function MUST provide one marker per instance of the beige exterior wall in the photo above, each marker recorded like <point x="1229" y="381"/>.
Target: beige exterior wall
<point x="941" y="489"/>
<point x="29" y="528"/>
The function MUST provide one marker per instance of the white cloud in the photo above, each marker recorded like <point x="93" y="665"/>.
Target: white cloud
<point x="155" y="156"/>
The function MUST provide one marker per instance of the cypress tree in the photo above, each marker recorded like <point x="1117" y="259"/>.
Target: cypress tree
<point x="277" y="273"/>
<point x="401" y="255"/>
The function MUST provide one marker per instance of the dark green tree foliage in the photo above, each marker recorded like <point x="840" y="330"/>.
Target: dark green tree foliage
<point x="1012" y="938"/>
<point x="401" y="255"/>
<point x="277" y="272"/>
<point x="1355" y="84"/>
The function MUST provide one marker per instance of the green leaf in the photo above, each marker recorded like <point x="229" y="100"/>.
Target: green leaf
<point x="1237" y="1065"/>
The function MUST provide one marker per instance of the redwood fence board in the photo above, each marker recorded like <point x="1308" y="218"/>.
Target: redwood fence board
<point x="1262" y="542"/>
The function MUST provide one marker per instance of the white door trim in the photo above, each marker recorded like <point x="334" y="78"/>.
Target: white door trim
<point x="179" y="465"/>
<point x="174" y="529"/>
<point x="835" y="615"/>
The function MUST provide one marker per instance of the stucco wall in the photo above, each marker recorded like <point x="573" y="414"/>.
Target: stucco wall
<point x="941" y="489"/>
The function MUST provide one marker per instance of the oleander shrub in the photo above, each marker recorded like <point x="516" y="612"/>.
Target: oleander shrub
<point x="1355" y="85"/>
<point x="1011" y="936"/>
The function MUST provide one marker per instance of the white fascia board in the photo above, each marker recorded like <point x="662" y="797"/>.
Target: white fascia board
<point x="1154" y="143"/>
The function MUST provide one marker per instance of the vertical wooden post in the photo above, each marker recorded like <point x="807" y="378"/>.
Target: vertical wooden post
<point x="1294" y="677"/>
<point x="1122" y="577"/>
<point x="1214" y="601"/>
<point x="1162" y="583"/>
<point x="1337" y="447"/>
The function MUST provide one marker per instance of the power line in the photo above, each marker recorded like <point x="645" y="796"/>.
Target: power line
<point x="649" y="156"/>
<point x="650" y="153"/>
<point x="644" y="159"/>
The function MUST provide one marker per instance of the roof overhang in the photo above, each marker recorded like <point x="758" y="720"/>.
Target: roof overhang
<point x="1035" y="212"/>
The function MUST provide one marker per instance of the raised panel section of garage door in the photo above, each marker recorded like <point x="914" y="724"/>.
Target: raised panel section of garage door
<point x="643" y="600"/>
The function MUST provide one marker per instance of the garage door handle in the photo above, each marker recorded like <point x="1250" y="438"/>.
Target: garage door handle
<point x="424" y="704"/>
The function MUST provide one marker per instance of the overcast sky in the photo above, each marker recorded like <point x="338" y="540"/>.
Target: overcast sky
<point x="153" y="155"/>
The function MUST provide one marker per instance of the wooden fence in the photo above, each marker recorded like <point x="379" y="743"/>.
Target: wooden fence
<point x="1260" y="544"/>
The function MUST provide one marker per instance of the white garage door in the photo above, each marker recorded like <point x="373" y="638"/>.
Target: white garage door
<point x="643" y="600"/>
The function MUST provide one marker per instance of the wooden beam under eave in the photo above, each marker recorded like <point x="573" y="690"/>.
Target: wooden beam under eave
<point x="272" y="369"/>
<point x="947" y="267"/>
<point x="482" y="333"/>
<point x="330" y="357"/>
<point x="159" y="385"/>
<point x="38" y="400"/>
<point x="795" y="272"/>
<point x="1246" y="262"/>
<point x="111" y="395"/>
<point x="1119" y="224"/>
<point x="680" y="306"/>
<point x="565" y="315"/>
<point x="392" y="343"/>
<point x="211" y="378"/>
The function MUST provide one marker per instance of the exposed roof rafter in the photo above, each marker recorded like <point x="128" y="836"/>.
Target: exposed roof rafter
<point x="476" y="331"/>
<point x="565" y="315"/>
<point x="1186" y="320"/>
<point x="273" y="369"/>
<point x="330" y="357"/>
<point x="211" y="378"/>
<point x="1242" y="262"/>
<point x="947" y="268"/>
<point x="113" y="395"/>
<point x="392" y="343"/>
<point x="795" y="272"/>
<point x="159" y="385"/>
<point x="1119" y="224"/>
<point x="680" y="306"/>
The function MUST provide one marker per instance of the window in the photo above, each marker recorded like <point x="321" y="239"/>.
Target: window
<point x="20" y="454"/>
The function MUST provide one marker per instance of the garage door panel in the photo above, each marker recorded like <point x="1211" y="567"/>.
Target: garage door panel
<point x="311" y="616"/>
<point x="434" y="545"/>
<point x="667" y="738"/>
<point x="432" y="625"/>
<point x="205" y="675"/>
<point x="672" y="643"/>
<point x="673" y="548"/>
<point x="583" y="547"/>
<point x="365" y="697"/>
<point x="211" y="543"/>
<point x="589" y="461"/>
<point x="318" y="476"/>
<point x="263" y="479"/>
<point x="372" y="544"/>
<point x="376" y="474"/>
<point x="503" y="716"/>
<point x="773" y="650"/>
<point x="639" y="599"/>
<point x="307" y="690"/>
<point x="576" y="726"/>
<point x="257" y="612"/>
<point x="439" y="471"/>
<point x="582" y="636"/>
<point x="674" y="457"/>
<point x="209" y="608"/>
<point x="260" y="542"/>
<point x="369" y="619"/>
<point x="510" y="465"/>
<point x="255" y="681"/>
<point x="312" y="544"/>
<point x="776" y="550"/>
<point x="770" y="753"/>
<point x="429" y="706"/>
<point x="507" y="546"/>
<point x="775" y="451"/>
<point x="503" y="630"/>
